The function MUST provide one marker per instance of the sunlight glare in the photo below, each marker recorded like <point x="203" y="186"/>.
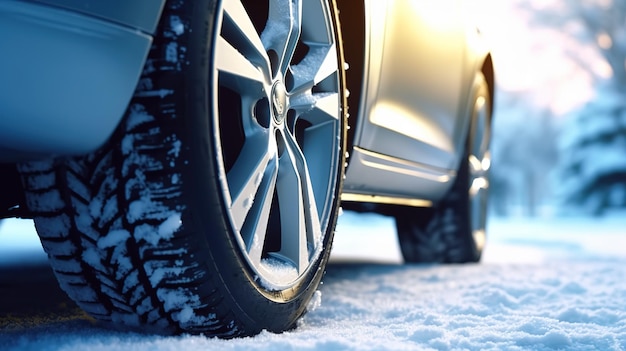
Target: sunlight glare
<point x="536" y="60"/>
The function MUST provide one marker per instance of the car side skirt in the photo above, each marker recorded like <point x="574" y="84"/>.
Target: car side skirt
<point x="385" y="179"/>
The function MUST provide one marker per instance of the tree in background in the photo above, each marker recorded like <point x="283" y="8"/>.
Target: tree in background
<point x="592" y="168"/>
<point x="593" y="153"/>
<point x="524" y="153"/>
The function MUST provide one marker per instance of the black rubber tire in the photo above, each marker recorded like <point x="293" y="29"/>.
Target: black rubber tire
<point x="138" y="232"/>
<point x="446" y="233"/>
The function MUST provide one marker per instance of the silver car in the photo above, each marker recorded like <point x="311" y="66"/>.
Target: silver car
<point x="184" y="161"/>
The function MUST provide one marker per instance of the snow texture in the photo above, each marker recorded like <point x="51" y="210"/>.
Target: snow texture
<point x="279" y="270"/>
<point x="542" y="285"/>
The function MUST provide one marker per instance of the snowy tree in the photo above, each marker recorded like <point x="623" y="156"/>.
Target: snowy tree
<point x="593" y="153"/>
<point x="592" y="167"/>
<point x="524" y="152"/>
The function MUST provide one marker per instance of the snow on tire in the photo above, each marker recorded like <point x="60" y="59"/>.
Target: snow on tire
<point x="212" y="207"/>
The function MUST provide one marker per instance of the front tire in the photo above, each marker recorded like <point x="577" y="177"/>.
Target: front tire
<point x="454" y="231"/>
<point x="212" y="208"/>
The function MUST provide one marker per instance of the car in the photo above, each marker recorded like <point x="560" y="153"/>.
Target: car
<point x="185" y="162"/>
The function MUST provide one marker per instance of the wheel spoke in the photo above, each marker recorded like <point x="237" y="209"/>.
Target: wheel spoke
<point x="255" y="227"/>
<point x="239" y="30"/>
<point x="283" y="30"/>
<point x="317" y="108"/>
<point x="236" y="71"/>
<point x="253" y="166"/>
<point x="299" y="220"/>
<point x="319" y="145"/>
<point x="319" y="64"/>
<point x="310" y="202"/>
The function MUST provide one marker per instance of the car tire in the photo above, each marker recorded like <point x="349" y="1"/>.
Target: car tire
<point x="212" y="208"/>
<point x="453" y="231"/>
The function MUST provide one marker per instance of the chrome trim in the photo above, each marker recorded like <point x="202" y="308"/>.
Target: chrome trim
<point x="398" y="165"/>
<point x="388" y="200"/>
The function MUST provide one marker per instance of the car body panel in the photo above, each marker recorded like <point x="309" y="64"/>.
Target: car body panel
<point x="67" y="78"/>
<point x="137" y="14"/>
<point x="375" y="174"/>
<point x="420" y="60"/>
<point x="413" y="115"/>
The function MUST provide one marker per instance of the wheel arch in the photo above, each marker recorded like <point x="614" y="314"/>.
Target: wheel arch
<point x="12" y="201"/>
<point x="488" y="71"/>
<point x="352" y="22"/>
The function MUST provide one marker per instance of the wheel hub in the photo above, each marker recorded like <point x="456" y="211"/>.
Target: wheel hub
<point x="279" y="101"/>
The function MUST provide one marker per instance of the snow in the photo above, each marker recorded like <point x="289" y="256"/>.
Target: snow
<point x="315" y="302"/>
<point x="164" y="231"/>
<point x="279" y="268"/>
<point x="543" y="284"/>
<point x="113" y="238"/>
<point x="177" y="26"/>
<point x="171" y="52"/>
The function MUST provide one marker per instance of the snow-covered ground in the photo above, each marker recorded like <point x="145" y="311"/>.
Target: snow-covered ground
<point x="542" y="285"/>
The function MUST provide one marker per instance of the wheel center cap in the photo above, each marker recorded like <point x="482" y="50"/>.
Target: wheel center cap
<point x="279" y="101"/>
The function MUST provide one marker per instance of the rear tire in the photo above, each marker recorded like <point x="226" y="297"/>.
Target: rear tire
<point x="212" y="208"/>
<point x="454" y="230"/>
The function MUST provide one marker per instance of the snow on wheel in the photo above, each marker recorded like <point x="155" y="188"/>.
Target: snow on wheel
<point x="454" y="230"/>
<point x="212" y="208"/>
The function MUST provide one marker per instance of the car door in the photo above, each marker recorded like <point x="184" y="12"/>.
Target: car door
<point x="414" y="82"/>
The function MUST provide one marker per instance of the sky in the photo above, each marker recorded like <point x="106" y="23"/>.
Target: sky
<point x="531" y="60"/>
